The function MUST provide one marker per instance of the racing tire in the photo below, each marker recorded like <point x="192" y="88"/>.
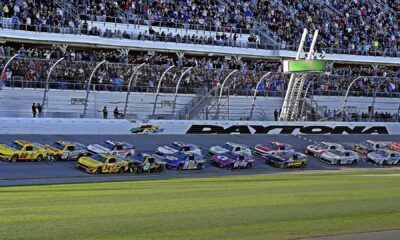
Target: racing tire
<point x="179" y="167"/>
<point x="160" y="169"/>
<point x="229" y="167"/>
<point x="200" y="166"/>
<point x="249" y="166"/>
<point x="354" y="162"/>
<point x="99" y="170"/>
<point x="384" y="162"/>
<point x="338" y="162"/>
<point x="39" y="158"/>
<point x="14" y="158"/>
<point x="121" y="170"/>
<point x="303" y="165"/>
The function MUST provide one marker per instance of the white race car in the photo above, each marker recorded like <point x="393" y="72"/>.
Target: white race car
<point x="384" y="157"/>
<point x="318" y="149"/>
<point x="339" y="157"/>
<point x="120" y="149"/>
<point x="179" y="147"/>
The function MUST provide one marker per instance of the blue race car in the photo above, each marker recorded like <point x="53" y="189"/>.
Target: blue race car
<point x="384" y="157"/>
<point x="182" y="161"/>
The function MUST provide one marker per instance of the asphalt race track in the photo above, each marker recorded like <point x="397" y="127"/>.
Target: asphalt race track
<point x="32" y="173"/>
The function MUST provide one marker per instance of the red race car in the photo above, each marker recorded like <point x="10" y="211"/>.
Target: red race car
<point x="395" y="146"/>
<point x="262" y="149"/>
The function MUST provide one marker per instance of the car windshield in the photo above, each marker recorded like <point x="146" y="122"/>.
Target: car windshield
<point x="99" y="158"/>
<point x="228" y="147"/>
<point x="175" y="146"/>
<point x="382" y="153"/>
<point x="272" y="146"/>
<point x="57" y="145"/>
<point x="15" y="146"/>
<point x="321" y="145"/>
<point x="368" y="144"/>
<point x="284" y="154"/>
<point x="107" y="145"/>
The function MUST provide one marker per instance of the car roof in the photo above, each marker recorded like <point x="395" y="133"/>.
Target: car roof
<point x="22" y="142"/>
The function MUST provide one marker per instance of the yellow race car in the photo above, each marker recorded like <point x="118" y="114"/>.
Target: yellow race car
<point x="21" y="150"/>
<point x="102" y="163"/>
<point x="64" y="150"/>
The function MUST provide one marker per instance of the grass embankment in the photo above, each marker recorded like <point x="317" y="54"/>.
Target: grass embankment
<point x="244" y="207"/>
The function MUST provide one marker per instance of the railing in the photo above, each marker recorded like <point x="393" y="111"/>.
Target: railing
<point x="18" y="83"/>
<point x="7" y="24"/>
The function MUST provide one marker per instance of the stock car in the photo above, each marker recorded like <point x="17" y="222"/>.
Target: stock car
<point x="149" y="163"/>
<point x="369" y="146"/>
<point x="262" y="149"/>
<point x="384" y="157"/>
<point x="102" y="163"/>
<point x="22" y="150"/>
<point x="179" y="147"/>
<point x="230" y="147"/>
<point x="64" y="150"/>
<point x="286" y="158"/>
<point x="318" y="149"/>
<point x="232" y="160"/>
<point x="395" y="146"/>
<point x="120" y="149"/>
<point x="339" y="157"/>
<point x="146" y="129"/>
<point x="182" y="161"/>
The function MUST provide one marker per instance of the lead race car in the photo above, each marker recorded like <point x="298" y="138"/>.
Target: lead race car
<point x="182" y="161"/>
<point x="179" y="147"/>
<point x="339" y="157"/>
<point x="232" y="161"/>
<point x="230" y="147"/>
<point x="64" y="150"/>
<point x="120" y="149"/>
<point x="262" y="149"/>
<point x="317" y="149"/>
<point x="286" y="158"/>
<point x="384" y="157"/>
<point x="21" y="150"/>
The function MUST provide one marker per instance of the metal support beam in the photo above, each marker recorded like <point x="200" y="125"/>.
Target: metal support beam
<point x="5" y="67"/>
<point x="256" y="92"/>
<point x="88" y="86"/>
<point x="177" y="88"/>
<point x="158" y="88"/>
<point x="347" y="95"/>
<point x="46" y="88"/>
<point x="133" y="76"/>
<point x="222" y="90"/>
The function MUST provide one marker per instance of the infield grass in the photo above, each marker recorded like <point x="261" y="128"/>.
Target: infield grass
<point x="240" y="207"/>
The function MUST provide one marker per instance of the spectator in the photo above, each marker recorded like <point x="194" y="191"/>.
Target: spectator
<point x="105" y="112"/>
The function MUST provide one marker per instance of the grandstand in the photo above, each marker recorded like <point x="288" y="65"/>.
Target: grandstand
<point x="169" y="59"/>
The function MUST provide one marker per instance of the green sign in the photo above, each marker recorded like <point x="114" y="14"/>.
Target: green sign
<point x="304" y="66"/>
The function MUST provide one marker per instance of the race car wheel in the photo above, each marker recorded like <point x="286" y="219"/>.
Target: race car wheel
<point x="179" y="167"/>
<point x="384" y="162"/>
<point x="354" y="162"/>
<point x="14" y="158"/>
<point x="121" y="170"/>
<point x="230" y="167"/>
<point x="200" y="166"/>
<point x="249" y="166"/>
<point x="39" y="158"/>
<point x="99" y="170"/>
<point x="338" y="162"/>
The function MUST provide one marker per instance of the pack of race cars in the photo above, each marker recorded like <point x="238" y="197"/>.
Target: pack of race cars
<point x="121" y="157"/>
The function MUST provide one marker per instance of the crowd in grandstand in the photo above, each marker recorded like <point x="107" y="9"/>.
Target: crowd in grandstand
<point x="360" y="27"/>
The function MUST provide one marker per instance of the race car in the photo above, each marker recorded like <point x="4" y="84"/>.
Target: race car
<point x="395" y="146"/>
<point x="146" y="129"/>
<point x="384" y="157"/>
<point x="369" y="146"/>
<point x="232" y="160"/>
<point x="21" y="150"/>
<point x="318" y="149"/>
<point x="262" y="149"/>
<point x="64" y="150"/>
<point x="120" y="149"/>
<point x="102" y="163"/>
<point x="230" y="147"/>
<point x="179" y="147"/>
<point x="149" y="163"/>
<point x="286" y="158"/>
<point x="339" y="157"/>
<point x="182" y="161"/>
